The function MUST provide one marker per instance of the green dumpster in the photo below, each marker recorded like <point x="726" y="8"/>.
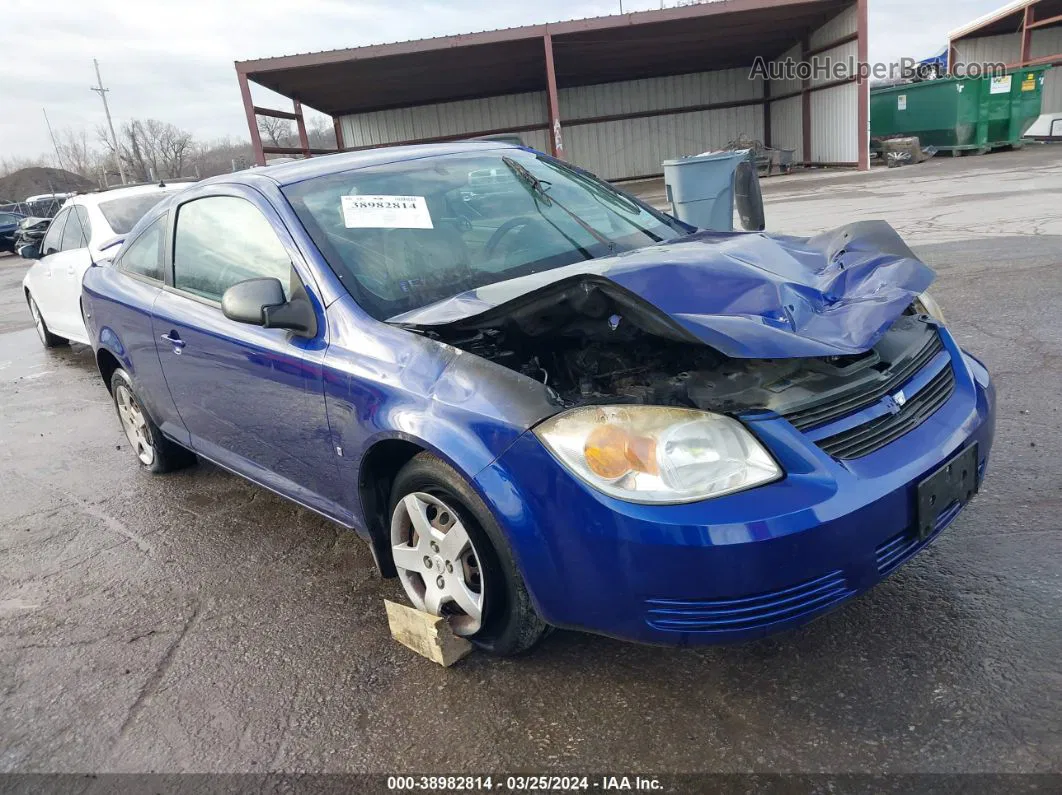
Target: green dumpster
<point x="957" y="114"/>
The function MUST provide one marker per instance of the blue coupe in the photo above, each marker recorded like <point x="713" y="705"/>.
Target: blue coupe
<point x="541" y="401"/>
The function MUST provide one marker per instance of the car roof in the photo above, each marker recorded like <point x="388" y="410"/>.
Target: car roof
<point x="98" y="197"/>
<point x="299" y="170"/>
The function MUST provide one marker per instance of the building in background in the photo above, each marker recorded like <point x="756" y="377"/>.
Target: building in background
<point x="1023" y="33"/>
<point x="617" y="95"/>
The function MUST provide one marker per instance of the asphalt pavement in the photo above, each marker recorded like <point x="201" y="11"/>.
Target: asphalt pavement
<point x="195" y="622"/>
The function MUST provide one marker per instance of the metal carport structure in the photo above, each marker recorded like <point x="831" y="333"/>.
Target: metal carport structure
<point x="616" y="94"/>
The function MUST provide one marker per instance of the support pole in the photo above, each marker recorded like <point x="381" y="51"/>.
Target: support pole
<point x="1026" y="33"/>
<point x="300" y="123"/>
<point x="99" y="89"/>
<point x="338" y="125"/>
<point x="767" y="112"/>
<point x="555" y="140"/>
<point x="863" y="86"/>
<point x="805" y="104"/>
<point x="252" y="119"/>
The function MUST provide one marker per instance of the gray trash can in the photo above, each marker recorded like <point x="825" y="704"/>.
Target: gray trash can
<point x="701" y="188"/>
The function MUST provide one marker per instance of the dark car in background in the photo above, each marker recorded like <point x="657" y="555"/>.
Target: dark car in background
<point x="9" y="222"/>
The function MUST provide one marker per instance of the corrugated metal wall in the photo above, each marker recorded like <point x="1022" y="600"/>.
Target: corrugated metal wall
<point x="834" y="124"/>
<point x="989" y="49"/>
<point x="449" y="118"/>
<point x="841" y="25"/>
<point x="636" y="147"/>
<point x="787" y="115"/>
<point x="1048" y="41"/>
<point x="835" y="111"/>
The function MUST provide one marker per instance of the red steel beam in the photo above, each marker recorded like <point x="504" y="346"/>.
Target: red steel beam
<point x="300" y="122"/>
<point x="767" y="113"/>
<point x="1026" y="33"/>
<point x="805" y="94"/>
<point x="295" y="150"/>
<point x="862" y="16"/>
<point x="1042" y="23"/>
<point x="338" y="127"/>
<point x="252" y="119"/>
<point x="278" y="114"/>
<point x="556" y="142"/>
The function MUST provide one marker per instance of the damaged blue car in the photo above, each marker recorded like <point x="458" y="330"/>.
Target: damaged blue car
<point x="541" y="401"/>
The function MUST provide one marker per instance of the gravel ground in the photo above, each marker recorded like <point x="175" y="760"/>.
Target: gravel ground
<point x="195" y="622"/>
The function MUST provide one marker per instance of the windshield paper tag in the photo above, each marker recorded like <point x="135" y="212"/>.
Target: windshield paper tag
<point x="386" y="212"/>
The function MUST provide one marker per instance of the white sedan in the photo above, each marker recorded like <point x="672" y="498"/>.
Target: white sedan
<point x="87" y="229"/>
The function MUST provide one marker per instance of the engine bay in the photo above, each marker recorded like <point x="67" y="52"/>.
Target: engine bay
<point x="596" y="357"/>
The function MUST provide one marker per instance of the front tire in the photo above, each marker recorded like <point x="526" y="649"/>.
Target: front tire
<point x="453" y="560"/>
<point x="48" y="339"/>
<point x="155" y="452"/>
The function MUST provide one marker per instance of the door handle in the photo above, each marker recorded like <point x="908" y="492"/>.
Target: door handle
<point x="175" y="340"/>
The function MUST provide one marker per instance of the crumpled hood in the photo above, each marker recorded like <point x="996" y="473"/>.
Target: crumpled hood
<point x="748" y="295"/>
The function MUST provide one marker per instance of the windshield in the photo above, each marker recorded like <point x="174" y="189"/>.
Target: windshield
<point x="404" y="235"/>
<point x="122" y="214"/>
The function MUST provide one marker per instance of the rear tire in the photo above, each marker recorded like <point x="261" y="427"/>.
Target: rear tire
<point x="48" y="339"/>
<point x="155" y="452"/>
<point x="508" y="623"/>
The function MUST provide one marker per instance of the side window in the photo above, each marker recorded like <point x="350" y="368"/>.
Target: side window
<point x="222" y="240"/>
<point x="86" y="225"/>
<point x="7" y="218"/>
<point x="144" y="256"/>
<point x="73" y="234"/>
<point x="55" y="234"/>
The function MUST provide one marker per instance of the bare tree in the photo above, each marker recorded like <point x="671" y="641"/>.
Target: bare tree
<point x="320" y="133"/>
<point x="152" y="149"/>
<point x="276" y="131"/>
<point x="77" y="155"/>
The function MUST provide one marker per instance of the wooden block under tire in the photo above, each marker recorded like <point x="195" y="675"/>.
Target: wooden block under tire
<point x="429" y="636"/>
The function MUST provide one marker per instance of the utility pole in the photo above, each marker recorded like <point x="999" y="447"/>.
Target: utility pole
<point x="58" y="156"/>
<point x="99" y="89"/>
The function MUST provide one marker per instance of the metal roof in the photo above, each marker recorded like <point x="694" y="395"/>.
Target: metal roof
<point x="1007" y="19"/>
<point x="701" y="37"/>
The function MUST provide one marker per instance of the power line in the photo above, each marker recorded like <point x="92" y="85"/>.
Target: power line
<point x="99" y="89"/>
<point x="58" y="156"/>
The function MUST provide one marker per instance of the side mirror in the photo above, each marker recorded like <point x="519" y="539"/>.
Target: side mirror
<point x="30" y="251"/>
<point x="748" y="199"/>
<point x="261" y="302"/>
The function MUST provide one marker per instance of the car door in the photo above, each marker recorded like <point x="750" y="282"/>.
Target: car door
<point x="251" y="398"/>
<point x="68" y="269"/>
<point x="42" y="283"/>
<point x="132" y="284"/>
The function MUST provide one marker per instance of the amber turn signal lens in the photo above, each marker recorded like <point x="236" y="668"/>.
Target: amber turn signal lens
<point x="611" y="452"/>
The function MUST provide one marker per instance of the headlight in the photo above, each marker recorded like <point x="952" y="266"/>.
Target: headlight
<point x="926" y="305"/>
<point x="654" y="454"/>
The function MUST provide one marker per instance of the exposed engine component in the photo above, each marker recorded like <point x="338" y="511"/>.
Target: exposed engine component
<point x="590" y="353"/>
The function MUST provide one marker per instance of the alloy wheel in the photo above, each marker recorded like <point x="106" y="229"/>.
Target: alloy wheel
<point x="437" y="561"/>
<point x="38" y="321"/>
<point x="134" y="423"/>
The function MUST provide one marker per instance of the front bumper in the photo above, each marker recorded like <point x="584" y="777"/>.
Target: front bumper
<point x="736" y="567"/>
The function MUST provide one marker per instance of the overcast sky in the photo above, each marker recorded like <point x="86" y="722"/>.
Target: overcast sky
<point x="173" y="59"/>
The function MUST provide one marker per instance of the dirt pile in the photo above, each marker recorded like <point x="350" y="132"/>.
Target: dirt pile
<point x="16" y="187"/>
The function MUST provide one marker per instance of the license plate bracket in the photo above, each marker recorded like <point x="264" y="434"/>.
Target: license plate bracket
<point x="955" y="480"/>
